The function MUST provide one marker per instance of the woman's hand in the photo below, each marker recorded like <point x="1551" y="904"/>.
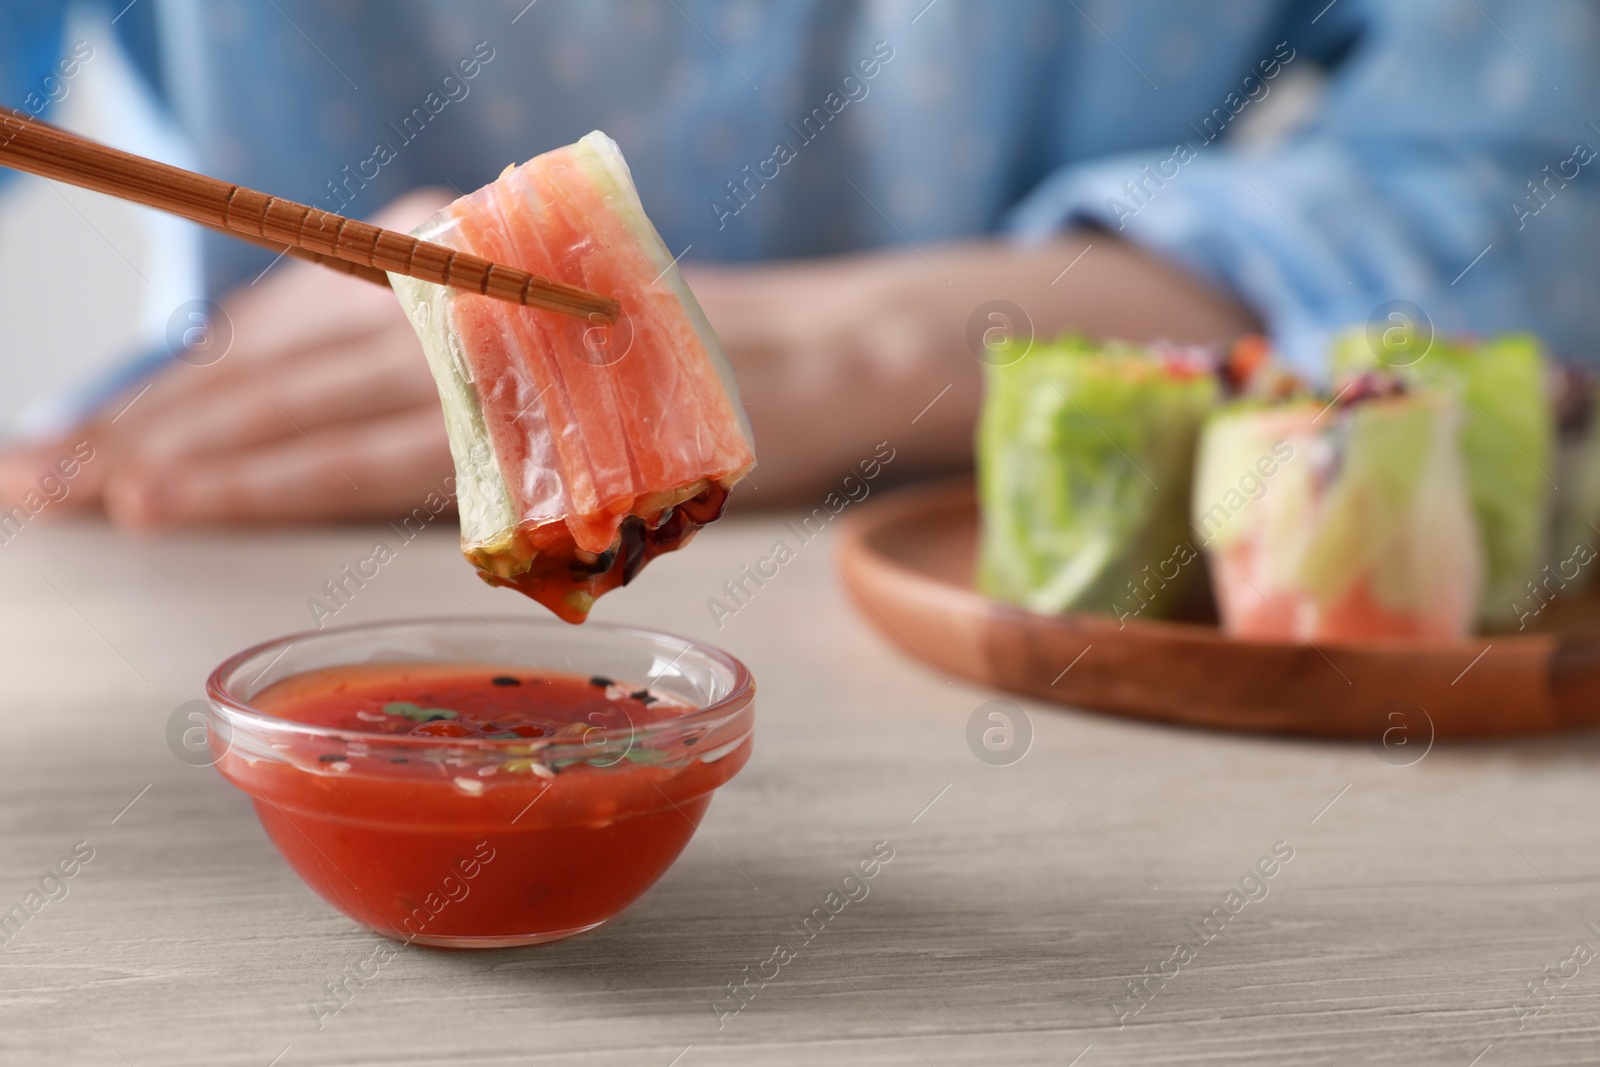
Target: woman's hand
<point x="322" y="408"/>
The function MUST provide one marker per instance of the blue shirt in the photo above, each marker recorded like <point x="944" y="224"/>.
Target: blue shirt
<point x="1449" y="162"/>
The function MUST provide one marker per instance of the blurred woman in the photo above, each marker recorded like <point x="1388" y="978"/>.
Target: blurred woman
<point x="851" y="185"/>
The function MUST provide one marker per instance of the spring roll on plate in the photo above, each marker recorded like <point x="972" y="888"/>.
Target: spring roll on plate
<point x="582" y="451"/>
<point x="1507" y="443"/>
<point x="1085" y="453"/>
<point x="1575" y="504"/>
<point x="1349" y="521"/>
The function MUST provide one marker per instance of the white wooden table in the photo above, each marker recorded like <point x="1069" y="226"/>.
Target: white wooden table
<point x="1020" y="903"/>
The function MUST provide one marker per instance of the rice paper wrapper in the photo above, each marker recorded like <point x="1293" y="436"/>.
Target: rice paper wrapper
<point x="1359" y="528"/>
<point x="1085" y="462"/>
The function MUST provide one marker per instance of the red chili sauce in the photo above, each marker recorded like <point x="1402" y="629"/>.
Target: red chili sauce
<point x="454" y="839"/>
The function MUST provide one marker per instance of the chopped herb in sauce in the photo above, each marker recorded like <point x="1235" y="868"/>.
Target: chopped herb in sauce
<point x="417" y="713"/>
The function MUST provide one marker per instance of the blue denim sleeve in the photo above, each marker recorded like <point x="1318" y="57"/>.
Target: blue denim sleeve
<point x="1450" y="163"/>
<point x="38" y="64"/>
<point x="30" y="45"/>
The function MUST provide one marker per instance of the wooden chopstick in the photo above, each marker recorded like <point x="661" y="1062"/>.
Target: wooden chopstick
<point x="359" y="270"/>
<point x="357" y="247"/>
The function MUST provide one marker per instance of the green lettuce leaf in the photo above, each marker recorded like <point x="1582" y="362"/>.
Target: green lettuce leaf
<point x="1085" y="463"/>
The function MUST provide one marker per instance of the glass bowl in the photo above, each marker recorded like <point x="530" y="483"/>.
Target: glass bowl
<point x="469" y="842"/>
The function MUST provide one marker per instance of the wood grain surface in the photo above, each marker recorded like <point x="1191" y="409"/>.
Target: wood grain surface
<point x="1022" y="898"/>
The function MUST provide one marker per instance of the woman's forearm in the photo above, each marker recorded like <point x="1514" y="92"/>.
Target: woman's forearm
<point x="836" y="355"/>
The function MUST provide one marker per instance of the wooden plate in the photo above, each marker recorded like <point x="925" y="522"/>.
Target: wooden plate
<point x="907" y="561"/>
